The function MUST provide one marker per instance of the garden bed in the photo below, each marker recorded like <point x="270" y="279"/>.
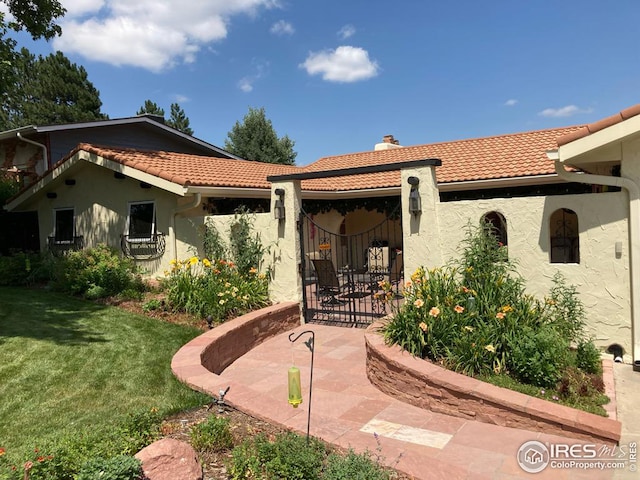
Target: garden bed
<point x="426" y="385"/>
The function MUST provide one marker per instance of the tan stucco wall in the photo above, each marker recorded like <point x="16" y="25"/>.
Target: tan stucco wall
<point x="101" y="205"/>
<point x="602" y="277"/>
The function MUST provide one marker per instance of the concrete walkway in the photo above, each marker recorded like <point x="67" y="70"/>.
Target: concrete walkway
<point x="348" y="411"/>
<point x="627" y="384"/>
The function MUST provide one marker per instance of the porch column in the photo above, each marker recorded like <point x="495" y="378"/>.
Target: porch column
<point x="286" y="284"/>
<point x="421" y="232"/>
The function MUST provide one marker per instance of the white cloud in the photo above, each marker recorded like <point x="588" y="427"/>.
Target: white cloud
<point x="346" y="32"/>
<point x="181" y="98"/>
<point x="344" y="64"/>
<point x="282" y="28"/>
<point x="152" y="34"/>
<point x="511" y="102"/>
<point x="566" y="111"/>
<point x="261" y="69"/>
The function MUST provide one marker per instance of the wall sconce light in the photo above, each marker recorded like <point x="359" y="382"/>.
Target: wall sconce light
<point x="278" y="209"/>
<point x="52" y="195"/>
<point x="70" y="181"/>
<point x="415" y="202"/>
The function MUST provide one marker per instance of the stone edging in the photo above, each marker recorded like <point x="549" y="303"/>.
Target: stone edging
<point x="426" y="385"/>
<point x="199" y="363"/>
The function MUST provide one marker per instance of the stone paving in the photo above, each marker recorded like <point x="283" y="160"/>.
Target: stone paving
<point x="348" y="411"/>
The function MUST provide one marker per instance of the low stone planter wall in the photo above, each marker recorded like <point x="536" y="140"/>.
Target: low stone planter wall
<point x="200" y="362"/>
<point x="426" y="385"/>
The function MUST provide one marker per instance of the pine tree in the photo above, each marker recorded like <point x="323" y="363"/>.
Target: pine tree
<point x="256" y="139"/>
<point x="179" y="119"/>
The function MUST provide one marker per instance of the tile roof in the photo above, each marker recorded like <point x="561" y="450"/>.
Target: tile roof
<point x="191" y="170"/>
<point x="599" y="125"/>
<point x="503" y="156"/>
<point x="498" y="157"/>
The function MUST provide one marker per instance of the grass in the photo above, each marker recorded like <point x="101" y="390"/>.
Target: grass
<point x="68" y="364"/>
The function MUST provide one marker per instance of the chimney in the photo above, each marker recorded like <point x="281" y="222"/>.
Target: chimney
<point x="388" y="142"/>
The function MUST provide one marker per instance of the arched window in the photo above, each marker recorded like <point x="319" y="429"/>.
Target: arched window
<point x="499" y="224"/>
<point x="564" y="237"/>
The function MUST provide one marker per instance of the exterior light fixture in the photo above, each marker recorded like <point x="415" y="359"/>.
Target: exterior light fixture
<point x="52" y="194"/>
<point x="278" y="209"/>
<point x="415" y="202"/>
<point x="70" y="181"/>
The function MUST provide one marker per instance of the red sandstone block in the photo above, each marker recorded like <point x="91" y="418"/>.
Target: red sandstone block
<point x="551" y="412"/>
<point x="501" y="396"/>
<point x="601" y="426"/>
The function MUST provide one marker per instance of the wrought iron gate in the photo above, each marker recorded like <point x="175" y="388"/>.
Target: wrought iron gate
<point x="351" y="279"/>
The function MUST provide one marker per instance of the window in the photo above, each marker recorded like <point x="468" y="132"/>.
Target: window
<point x="564" y="237"/>
<point x="141" y="225"/>
<point x="63" y="225"/>
<point x="499" y="226"/>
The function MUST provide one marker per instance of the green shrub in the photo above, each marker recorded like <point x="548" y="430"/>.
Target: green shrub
<point x="121" y="467"/>
<point x="588" y="357"/>
<point x="245" y="245"/>
<point x="565" y="310"/>
<point x="19" y="268"/>
<point x="539" y="357"/>
<point x="288" y="457"/>
<point x="96" y="272"/>
<point x="213" y="434"/>
<point x="152" y="305"/>
<point x="141" y="428"/>
<point x="354" y="466"/>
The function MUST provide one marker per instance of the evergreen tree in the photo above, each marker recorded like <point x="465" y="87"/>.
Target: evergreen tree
<point x="49" y="91"/>
<point x="150" y="108"/>
<point x="256" y="139"/>
<point x="179" y="119"/>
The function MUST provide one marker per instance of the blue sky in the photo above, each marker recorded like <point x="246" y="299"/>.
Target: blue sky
<point x="336" y="76"/>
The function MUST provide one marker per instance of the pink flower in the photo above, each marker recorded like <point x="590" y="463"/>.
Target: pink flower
<point x="458" y="309"/>
<point x="499" y="315"/>
<point x="434" y="312"/>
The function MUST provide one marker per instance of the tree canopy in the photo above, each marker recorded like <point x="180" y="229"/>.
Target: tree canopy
<point x="48" y="91"/>
<point x="256" y="139"/>
<point x="178" y="118"/>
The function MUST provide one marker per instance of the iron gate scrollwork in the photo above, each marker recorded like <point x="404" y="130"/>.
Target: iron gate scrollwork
<point x="351" y="279"/>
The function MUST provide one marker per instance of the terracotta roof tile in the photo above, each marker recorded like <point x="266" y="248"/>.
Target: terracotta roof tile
<point x="504" y="156"/>
<point x="599" y="125"/>
<point x="192" y="170"/>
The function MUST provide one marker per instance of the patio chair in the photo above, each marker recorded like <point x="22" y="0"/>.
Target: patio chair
<point x="327" y="281"/>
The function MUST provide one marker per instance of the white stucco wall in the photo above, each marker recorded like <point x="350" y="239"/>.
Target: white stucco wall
<point x="602" y="277"/>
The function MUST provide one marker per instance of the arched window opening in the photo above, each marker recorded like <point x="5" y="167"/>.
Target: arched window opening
<point x="499" y="226"/>
<point x="564" y="236"/>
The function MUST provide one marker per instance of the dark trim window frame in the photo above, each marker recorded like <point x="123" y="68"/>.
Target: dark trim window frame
<point x="499" y="223"/>
<point x="64" y="225"/>
<point x="564" y="236"/>
<point x="141" y="221"/>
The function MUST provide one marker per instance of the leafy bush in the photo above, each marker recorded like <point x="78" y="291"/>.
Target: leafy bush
<point x="141" y="428"/>
<point x="539" y="357"/>
<point x="19" y="268"/>
<point x="245" y="246"/>
<point x="588" y="357"/>
<point x="288" y="457"/>
<point x="96" y="272"/>
<point x="474" y="316"/>
<point x="213" y="434"/>
<point x="215" y="289"/>
<point x="354" y="466"/>
<point x="121" y="467"/>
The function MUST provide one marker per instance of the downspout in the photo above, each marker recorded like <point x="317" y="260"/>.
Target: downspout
<point x="197" y="198"/>
<point x="42" y="146"/>
<point x="634" y="234"/>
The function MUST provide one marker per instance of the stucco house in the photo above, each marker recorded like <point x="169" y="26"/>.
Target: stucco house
<point x="563" y="199"/>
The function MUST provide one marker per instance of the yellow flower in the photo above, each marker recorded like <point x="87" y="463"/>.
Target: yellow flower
<point x="222" y="302"/>
<point x="458" y="309"/>
<point x="206" y="262"/>
<point x="2" y="451"/>
<point x="193" y="260"/>
<point x="500" y="315"/>
<point x="418" y="303"/>
<point x="227" y="284"/>
<point x="434" y="312"/>
<point x="468" y="328"/>
<point x="253" y="270"/>
<point x="423" y="326"/>
<point x="490" y="348"/>
<point x="173" y="262"/>
<point x="507" y="309"/>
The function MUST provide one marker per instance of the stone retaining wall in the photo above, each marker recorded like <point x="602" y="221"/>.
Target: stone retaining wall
<point x="426" y="385"/>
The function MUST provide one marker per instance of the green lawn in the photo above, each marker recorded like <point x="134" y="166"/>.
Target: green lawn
<point x="68" y="364"/>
